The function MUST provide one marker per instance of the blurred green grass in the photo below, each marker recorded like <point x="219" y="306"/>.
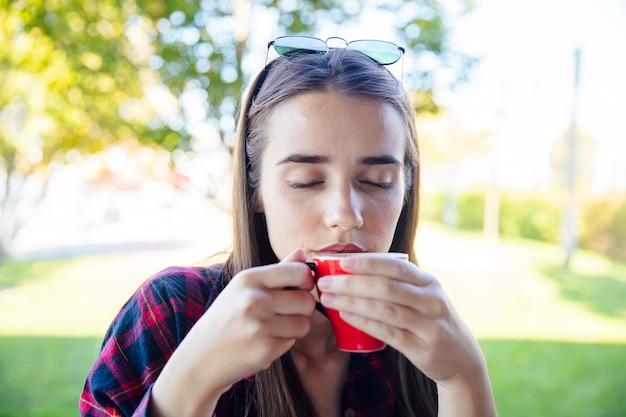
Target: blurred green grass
<point x="43" y="376"/>
<point x="554" y="340"/>
<point x="543" y="378"/>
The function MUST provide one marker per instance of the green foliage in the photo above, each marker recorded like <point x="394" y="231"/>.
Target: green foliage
<point x="538" y="216"/>
<point x="66" y="75"/>
<point x="82" y="75"/>
<point x="471" y="210"/>
<point x="79" y="71"/>
<point x="533" y="216"/>
<point x="603" y="226"/>
<point x="530" y="216"/>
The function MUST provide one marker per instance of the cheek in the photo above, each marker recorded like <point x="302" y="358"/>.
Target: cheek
<point x="285" y="216"/>
<point x="289" y="225"/>
<point x="381" y="217"/>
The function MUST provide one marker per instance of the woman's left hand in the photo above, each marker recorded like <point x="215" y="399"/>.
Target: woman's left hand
<point x="402" y="305"/>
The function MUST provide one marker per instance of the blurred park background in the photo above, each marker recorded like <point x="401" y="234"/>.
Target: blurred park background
<point x="116" y="126"/>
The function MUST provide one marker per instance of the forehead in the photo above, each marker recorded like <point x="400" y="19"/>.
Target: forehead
<point x="329" y="121"/>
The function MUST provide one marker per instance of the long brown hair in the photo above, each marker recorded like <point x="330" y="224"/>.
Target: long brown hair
<point x="350" y="73"/>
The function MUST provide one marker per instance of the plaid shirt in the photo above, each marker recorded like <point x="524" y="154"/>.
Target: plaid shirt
<point x="152" y="324"/>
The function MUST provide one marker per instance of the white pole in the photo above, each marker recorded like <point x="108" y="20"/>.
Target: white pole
<point x="570" y="240"/>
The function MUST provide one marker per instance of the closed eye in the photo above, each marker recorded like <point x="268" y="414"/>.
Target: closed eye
<point x="303" y="185"/>
<point x="381" y="185"/>
<point x="306" y="185"/>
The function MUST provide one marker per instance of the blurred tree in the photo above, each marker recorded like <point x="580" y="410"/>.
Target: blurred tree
<point x="79" y="75"/>
<point x="68" y="75"/>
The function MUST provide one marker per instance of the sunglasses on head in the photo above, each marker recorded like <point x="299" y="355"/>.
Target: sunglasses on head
<point x="383" y="52"/>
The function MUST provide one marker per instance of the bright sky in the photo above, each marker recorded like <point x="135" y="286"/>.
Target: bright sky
<point x="525" y="81"/>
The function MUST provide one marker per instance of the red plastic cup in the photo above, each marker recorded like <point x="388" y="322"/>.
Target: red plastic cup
<point x="349" y="338"/>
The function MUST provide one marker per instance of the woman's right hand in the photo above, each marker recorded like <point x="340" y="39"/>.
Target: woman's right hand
<point x="251" y="323"/>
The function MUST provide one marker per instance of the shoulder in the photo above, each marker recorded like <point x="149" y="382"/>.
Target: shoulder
<point x="145" y="333"/>
<point x="187" y="280"/>
<point x="182" y="287"/>
<point x="178" y="294"/>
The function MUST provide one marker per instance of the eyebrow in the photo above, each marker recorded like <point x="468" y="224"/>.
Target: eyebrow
<point x="323" y="159"/>
<point x="305" y="159"/>
<point x="380" y="160"/>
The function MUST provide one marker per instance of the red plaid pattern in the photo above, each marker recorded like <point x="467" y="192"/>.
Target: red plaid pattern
<point x="153" y="322"/>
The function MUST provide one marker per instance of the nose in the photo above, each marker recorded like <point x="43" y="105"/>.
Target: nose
<point x="344" y="209"/>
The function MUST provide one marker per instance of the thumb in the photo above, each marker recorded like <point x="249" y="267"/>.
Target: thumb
<point x="298" y="255"/>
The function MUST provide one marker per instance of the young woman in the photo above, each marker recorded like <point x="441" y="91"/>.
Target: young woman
<point x="326" y="161"/>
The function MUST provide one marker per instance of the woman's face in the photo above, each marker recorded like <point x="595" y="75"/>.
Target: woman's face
<point x="332" y="175"/>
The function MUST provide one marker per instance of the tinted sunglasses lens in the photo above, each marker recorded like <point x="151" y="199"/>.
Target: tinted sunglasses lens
<point x="380" y="51"/>
<point x="286" y="45"/>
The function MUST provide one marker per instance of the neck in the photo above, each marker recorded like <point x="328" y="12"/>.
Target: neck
<point x="319" y="342"/>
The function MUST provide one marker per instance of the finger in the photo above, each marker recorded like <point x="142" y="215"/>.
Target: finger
<point x="373" y="264"/>
<point x="286" y="327"/>
<point x="371" y="287"/>
<point x="419" y="334"/>
<point x="295" y="275"/>
<point x="391" y="313"/>
<point x="297" y="255"/>
<point x="376" y="297"/>
<point x="431" y="345"/>
<point x="295" y="302"/>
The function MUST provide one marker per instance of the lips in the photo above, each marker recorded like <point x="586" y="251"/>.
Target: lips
<point x="340" y="248"/>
